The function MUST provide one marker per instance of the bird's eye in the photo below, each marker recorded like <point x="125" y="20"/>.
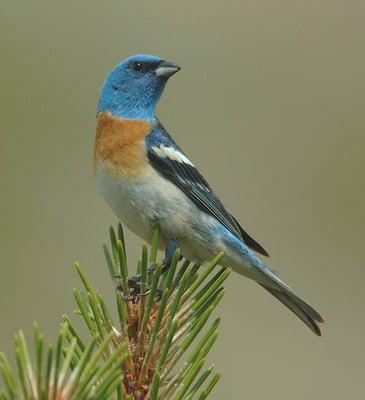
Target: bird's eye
<point x="137" y="66"/>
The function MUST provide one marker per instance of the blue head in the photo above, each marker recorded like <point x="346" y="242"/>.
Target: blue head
<point x="133" y="88"/>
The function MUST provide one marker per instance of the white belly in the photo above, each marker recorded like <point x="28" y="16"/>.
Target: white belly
<point x="144" y="203"/>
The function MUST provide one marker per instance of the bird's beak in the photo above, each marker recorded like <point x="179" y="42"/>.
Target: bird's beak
<point x="166" y="69"/>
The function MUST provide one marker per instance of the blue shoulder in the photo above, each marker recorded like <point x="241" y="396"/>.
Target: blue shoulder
<point x="159" y="136"/>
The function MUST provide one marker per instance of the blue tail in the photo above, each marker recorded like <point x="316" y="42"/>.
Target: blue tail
<point x="246" y="263"/>
<point x="286" y="295"/>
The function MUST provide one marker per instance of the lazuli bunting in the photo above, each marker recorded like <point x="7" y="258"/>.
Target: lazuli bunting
<point x="148" y="181"/>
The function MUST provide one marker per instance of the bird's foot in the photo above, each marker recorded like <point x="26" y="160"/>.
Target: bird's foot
<point x="134" y="292"/>
<point x="134" y="283"/>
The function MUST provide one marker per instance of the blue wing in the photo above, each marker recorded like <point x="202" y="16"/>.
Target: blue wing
<point x="167" y="158"/>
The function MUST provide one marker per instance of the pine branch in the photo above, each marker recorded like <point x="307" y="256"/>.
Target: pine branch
<point x="160" y="316"/>
<point x="66" y="372"/>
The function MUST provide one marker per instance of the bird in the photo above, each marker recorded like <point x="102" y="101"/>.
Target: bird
<point x="149" y="182"/>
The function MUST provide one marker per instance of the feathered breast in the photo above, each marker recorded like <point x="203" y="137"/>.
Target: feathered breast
<point x="119" y="145"/>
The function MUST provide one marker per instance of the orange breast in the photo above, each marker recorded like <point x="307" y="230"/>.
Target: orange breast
<point x="119" y="144"/>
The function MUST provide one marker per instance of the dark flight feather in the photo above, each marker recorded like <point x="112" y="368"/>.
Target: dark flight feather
<point x="193" y="184"/>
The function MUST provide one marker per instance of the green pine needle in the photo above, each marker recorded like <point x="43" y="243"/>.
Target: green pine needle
<point x="160" y="316"/>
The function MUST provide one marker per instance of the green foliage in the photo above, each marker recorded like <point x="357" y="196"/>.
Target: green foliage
<point x="152" y="346"/>
<point x="68" y="371"/>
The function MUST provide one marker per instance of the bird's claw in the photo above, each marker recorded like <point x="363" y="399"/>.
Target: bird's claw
<point x="134" y="283"/>
<point x="133" y="297"/>
<point x="135" y="292"/>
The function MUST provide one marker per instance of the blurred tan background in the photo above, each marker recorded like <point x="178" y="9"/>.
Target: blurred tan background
<point x="270" y="104"/>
